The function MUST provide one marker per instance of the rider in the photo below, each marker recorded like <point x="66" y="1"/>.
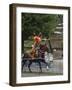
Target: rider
<point x="37" y="41"/>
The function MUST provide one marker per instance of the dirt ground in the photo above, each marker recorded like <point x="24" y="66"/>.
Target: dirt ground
<point x="56" y="68"/>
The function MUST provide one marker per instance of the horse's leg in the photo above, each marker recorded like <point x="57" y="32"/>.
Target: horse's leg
<point x="47" y="65"/>
<point x="30" y="62"/>
<point x="40" y="66"/>
<point x="23" y="63"/>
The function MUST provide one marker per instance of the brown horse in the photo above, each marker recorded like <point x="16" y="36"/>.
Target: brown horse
<point x="35" y="58"/>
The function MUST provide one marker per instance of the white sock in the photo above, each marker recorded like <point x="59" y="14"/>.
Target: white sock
<point x="47" y="67"/>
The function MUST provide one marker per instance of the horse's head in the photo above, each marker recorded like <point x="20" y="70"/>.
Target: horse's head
<point x="43" y="47"/>
<point x="42" y="50"/>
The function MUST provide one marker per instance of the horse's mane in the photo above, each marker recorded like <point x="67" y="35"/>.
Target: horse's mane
<point x="41" y="51"/>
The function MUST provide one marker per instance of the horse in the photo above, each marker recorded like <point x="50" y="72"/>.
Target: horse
<point x="40" y="58"/>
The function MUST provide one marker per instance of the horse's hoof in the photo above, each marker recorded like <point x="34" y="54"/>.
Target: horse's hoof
<point x="51" y="61"/>
<point x="40" y="71"/>
<point x="30" y="71"/>
<point x="47" y="68"/>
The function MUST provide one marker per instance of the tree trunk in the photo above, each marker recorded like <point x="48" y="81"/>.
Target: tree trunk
<point x="50" y="47"/>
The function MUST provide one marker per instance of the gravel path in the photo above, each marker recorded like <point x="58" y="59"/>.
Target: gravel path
<point x="56" y="68"/>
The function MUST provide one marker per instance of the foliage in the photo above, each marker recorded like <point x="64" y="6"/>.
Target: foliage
<point x="36" y="23"/>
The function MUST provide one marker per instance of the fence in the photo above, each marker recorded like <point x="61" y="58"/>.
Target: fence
<point x="56" y="44"/>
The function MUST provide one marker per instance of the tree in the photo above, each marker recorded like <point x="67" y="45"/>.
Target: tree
<point x="35" y="23"/>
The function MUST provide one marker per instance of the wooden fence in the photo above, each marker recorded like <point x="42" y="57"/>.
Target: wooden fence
<point x="57" y="46"/>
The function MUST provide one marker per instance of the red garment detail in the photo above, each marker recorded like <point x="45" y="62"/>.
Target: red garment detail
<point x="37" y="39"/>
